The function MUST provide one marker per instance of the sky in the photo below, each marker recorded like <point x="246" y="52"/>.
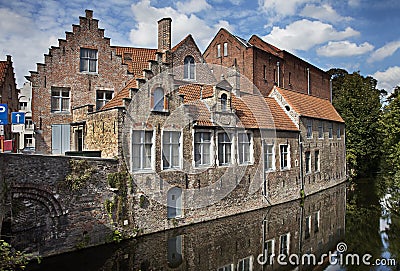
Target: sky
<point x="355" y="35"/>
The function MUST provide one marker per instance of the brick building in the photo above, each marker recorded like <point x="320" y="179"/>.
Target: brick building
<point x="9" y="96"/>
<point x="266" y="65"/>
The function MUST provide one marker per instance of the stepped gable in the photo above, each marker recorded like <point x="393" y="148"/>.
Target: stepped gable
<point x="3" y="71"/>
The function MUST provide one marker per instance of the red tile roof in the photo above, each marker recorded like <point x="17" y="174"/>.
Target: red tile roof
<point x="193" y="92"/>
<point x="311" y="106"/>
<point x="140" y="58"/>
<point x="261" y="44"/>
<point x="117" y="100"/>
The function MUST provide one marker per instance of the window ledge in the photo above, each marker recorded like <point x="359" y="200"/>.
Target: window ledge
<point x="143" y="171"/>
<point x="285" y="169"/>
<point x="164" y="111"/>
<point x="90" y="73"/>
<point x="61" y="112"/>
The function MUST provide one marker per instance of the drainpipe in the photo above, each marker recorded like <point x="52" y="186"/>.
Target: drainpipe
<point x="301" y="161"/>
<point x="278" y="68"/>
<point x="308" y="81"/>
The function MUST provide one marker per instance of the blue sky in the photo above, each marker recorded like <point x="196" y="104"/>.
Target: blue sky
<point x="356" y="35"/>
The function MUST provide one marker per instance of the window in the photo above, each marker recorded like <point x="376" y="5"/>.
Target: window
<point x="225" y="49"/>
<point x="309" y="129"/>
<point x="307" y="227"/>
<point x="174" y="202"/>
<point x="170" y="149"/>
<point x="338" y="132"/>
<point x="308" y="161"/>
<point x="202" y="148"/>
<point x="269" y="247"/>
<point x="284" y="153"/>
<point x="330" y="130"/>
<point x="10" y="92"/>
<point x="218" y="50"/>
<point x="28" y="124"/>
<point x="142" y="143"/>
<point x="284" y="244"/>
<point x="244" y="148"/>
<point x="60" y="99"/>
<point x="245" y="264"/>
<point x="103" y="97"/>
<point x="224" y="149"/>
<point x="320" y="130"/>
<point x="265" y="72"/>
<point x="23" y="106"/>
<point x="317" y="161"/>
<point x="290" y="77"/>
<point x="228" y="267"/>
<point x="28" y="138"/>
<point x="189" y="68"/>
<point x="224" y="99"/>
<point x="88" y="60"/>
<point x="158" y="98"/>
<point x="316" y="221"/>
<point x="269" y="159"/>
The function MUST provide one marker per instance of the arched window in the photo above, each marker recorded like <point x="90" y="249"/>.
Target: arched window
<point x="158" y="97"/>
<point x="189" y="66"/>
<point x="174" y="202"/>
<point x="224" y="99"/>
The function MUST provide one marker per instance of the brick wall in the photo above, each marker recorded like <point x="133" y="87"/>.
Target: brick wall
<point x="62" y="69"/>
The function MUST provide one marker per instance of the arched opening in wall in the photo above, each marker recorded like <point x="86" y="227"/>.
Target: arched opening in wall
<point x="158" y="98"/>
<point x="174" y="202"/>
<point x="189" y="68"/>
<point x="175" y="251"/>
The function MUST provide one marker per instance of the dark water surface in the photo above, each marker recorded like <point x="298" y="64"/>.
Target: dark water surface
<point x="312" y="227"/>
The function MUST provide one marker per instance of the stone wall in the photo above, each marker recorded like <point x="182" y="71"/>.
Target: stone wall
<point x="57" y="203"/>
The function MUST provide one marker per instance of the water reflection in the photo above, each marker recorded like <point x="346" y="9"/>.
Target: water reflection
<point x="314" y="226"/>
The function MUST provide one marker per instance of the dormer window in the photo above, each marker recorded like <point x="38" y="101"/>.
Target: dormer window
<point x="224" y="99"/>
<point x="189" y="68"/>
<point x="158" y="98"/>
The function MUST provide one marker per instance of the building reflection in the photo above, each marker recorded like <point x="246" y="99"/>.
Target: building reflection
<point x="242" y="242"/>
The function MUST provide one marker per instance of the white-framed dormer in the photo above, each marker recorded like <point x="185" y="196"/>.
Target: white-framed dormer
<point x="143" y="142"/>
<point x="173" y="140"/>
<point x="200" y="140"/>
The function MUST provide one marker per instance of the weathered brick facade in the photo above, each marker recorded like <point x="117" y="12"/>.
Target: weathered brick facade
<point x="61" y="69"/>
<point x="8" y="95"/>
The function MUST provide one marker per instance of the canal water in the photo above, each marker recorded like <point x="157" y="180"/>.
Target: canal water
<point x="325" y="231"/>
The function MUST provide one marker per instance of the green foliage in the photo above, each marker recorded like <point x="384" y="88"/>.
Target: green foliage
<point x="11" y="259"/>
<point x="358" y="101"/>
<point x="81" y="173"/>
<point x="109" y="206"/>
<point x="117" y="236"/>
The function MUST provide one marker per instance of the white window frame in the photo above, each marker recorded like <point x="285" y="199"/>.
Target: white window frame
<point x="231" y="160"/>
<point x="251" y="154"/>
<point x="142" y="143"/>
<point x="225" y="49"/>
<point x="60" y="98"/>
<point x="330" y="129"/>
<point x="267" y="256"/>
<point x="211" y="162"/>
<point x="250" y="259"/>
<point x="179" y="166"/>
<point x="218" y="50"/>
<point x="273" y="157"/>
<point x="288" y="157"/>
<point x="316" y="221"/>
<point x="103" y="100"/>
<point x="87" y="60"/>
<point x="227" y="267"/>
<point x="321" y="130"/>
<point x="189" y="72"/>
<point x="287" y="245"/>
<point x="309" y="131"/>
<point x="307" y="162"/>
<point x="307" y="223"/>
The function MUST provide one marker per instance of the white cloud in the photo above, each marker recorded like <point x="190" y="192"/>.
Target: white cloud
<point x="388" y="79"/>
<point x="192" y="6"/>
<point x="146" y="16"/>
<point x="282" y="8"/>
<point x="344" y="48"/>
<point x="354" y="3"/>
<point x="323" y="12"/>
<point x="385" y="51"/>
<point x="304" y="34"/>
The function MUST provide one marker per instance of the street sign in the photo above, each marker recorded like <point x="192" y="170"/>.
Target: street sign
<point x="17" y="128"/>
<point x="3" y="114"/>
<point x="17" y="117"/>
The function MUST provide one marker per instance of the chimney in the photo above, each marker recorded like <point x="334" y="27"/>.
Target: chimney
<point x="164" y="34"/>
